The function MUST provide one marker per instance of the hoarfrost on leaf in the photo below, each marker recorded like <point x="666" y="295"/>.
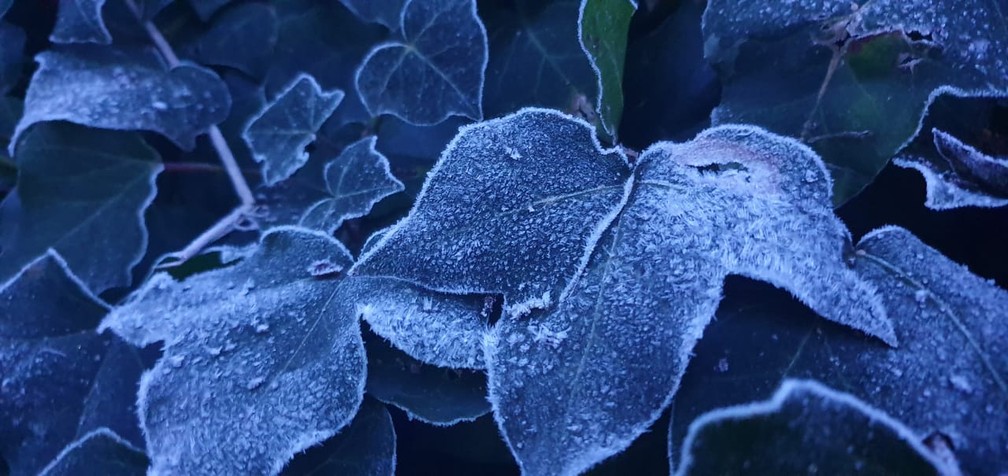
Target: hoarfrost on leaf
<point x="123" y="89"/>
<point x="487" y="223"/>
<point x="602" y="32"/>
<point x="805" y="425"/>
<point x="966" y="177"/>
<point x="98" y="452"/>
<point x="278" y="135"/>
<point x="80" y="21"/>
<point x="434" y="71"/>
<point x="240" y="344"/>
<point x="357" y="179"/>
<point x="366" y="447"/>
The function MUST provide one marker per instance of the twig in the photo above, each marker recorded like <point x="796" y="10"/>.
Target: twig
<point x="241" y="187"/>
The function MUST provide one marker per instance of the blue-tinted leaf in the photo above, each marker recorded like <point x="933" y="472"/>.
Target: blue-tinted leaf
<point x="536" y="58"/>
<point x="513" y="207"/>
<point x="947" y="377"/>
<point x="386" y="12"/>
<point x="437" y="68"/>
<point x="124" y="89"/>
<point x="241" y="37"/>
<point x="602" y="31"/>
<point x="4" y="6"/>
<point x="603" y="365"/>
<point x="60" y="379"/>
<point x="366" y="447"/>
<point x="12" y="45"/>
<point x="82" y="192"/>
<point x="960" y="175"/>
<point x="439" y="329"/>
<point x="805" y="428"/>
<point x="416" y="145"/>
<point x="206" y="8"/>
<point x="439" y="396"/>
<point x="80" y="21"/>
<point x="267" y="336"/>
<point x="98" y="452"/>
<point x="357" y="179"/>
<point x="852" y="80"/>
<point x="150" y="8"/>
<point x="279" y="133"/>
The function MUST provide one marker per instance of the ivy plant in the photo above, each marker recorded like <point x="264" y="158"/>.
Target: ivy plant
<point x="552" y="237"/>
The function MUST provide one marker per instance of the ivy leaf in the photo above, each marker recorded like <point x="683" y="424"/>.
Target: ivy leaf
<point x="12" y="46"/>
<point x="206" y="8"/>
<point x="241" y="37"/>
<point x="602" y="30"/>
<point x="123" y="89"/>
<point x="536" y="58"/>
<point x="386" y="12"/>
<point x="80" y="21"/>
<point x="366" y="447"/>
<point x="357" y="179"/>
<point x="279" y="133"/>
<point x="852" y="82"/>
<point x="60" y="379"/>
<point x="434" y="395"/>
<point x="605" y="362"/>
<point x="241" y="343"/>
<point x="434" y="71"/>
<point x="98" y="452"/>
<point x="513" y="207"/>
<point x="946" y="380"/>
<point x="81" y="192"/>
<point x="805" y="427"/>
<point x="961" y="176"/>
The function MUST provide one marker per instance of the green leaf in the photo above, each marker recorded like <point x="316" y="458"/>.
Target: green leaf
<point x="602" y="26"/>
<point x="99" y="452"/>
<point x="386" y="12"/>
<point x="852" y="80"/>
<point x="805" y="428"/>
<point x="946" y="380"/>
<point x="123" y="89"/>
<point x="536" y="58"/>
<point x="268" y="336"/>
<point x="366" y="447"/>
<point x="279" y="133"/>
<point x="81" y="192"/>
<point x="80" y="21"/>
<point x="435" y="70"/>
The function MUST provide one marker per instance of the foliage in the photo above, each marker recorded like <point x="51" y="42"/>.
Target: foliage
<point x="399" y="214"/>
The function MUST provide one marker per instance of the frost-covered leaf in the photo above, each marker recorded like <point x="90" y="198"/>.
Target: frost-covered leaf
<point x="805" y="428"/>
<point x="435" y="70"/>
<point x="513" y="207"/>
<point x="947" y="377"/>
<point x="536" y="58"/>
<point x="80" y="21"/>
<point x="438" y="329"/>
<point x="241" y="37"/>
<point x="852" y="79"/>
<point x="280" y="132"/>
<point x="123" y="89"/>
<point x="61" y="380"/>
<point x="386" y="12"/>
<point x="604" y="364"/>
<point x="269" y="334"/>
<point x="602" y="27"/>
<point x="965" y="177"/>
<point x="98" y="452"/>
<point x="81" y="192"/>
<point x="435" y="395"/>
<point x="12" y="61"/>
<point x="356" y="180"/>
<point x="366" y="447"/>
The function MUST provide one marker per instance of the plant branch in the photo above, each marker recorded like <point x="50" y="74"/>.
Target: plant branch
<point x="241" y="187"/>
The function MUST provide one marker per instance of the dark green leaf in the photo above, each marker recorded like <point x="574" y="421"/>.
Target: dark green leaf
<point x="206" y="8"/>
<point x="805" y="428"/>
<point x="80" y="21"/>
<point x="81" y="192"/>
<point x="386" y="12"/>
<point x="241" y="37"/>
<point x="603" y="25"/>
<point x="366" y="447"/>
<point x="99" y="452"/>
<point x="12" y="60"/>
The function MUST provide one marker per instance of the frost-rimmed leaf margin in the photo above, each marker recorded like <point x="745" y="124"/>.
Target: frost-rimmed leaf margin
<point x="792" y="388"/>
<point x="528" y="302"/>
<point x="473" y="110"/>
<point x="609" y="79"/>
<point x="85" y="443"/>
<point x="951" y="188"/>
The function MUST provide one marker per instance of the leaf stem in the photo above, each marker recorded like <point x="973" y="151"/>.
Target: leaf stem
<point x="241" y="187"/>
